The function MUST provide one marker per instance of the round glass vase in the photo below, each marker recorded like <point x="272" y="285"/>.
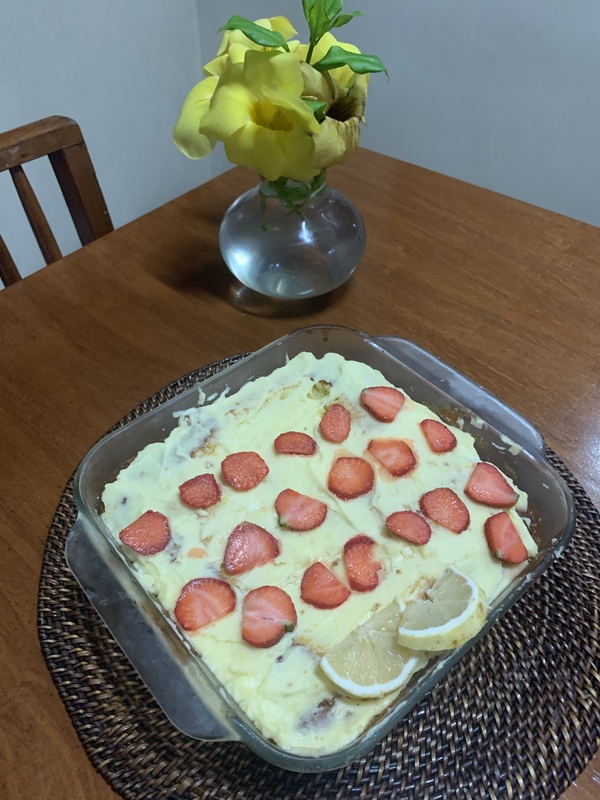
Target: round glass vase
<point x="292" y="240"/>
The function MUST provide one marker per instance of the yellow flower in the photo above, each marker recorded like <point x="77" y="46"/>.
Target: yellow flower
<point x="253" y="101"/>
<point x="234" y="44"/>
<point x="186" y="133"/>
<point x="257" y="112"/>
<point x="339" y="133"/>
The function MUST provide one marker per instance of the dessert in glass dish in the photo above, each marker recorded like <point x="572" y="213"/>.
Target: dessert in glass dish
<point x="317" y="537"/>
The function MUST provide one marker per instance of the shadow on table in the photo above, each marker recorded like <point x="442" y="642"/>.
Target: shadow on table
<point x="197" y="273"/>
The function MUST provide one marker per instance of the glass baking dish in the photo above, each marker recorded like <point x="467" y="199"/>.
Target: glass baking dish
<point x="187" y="691"/>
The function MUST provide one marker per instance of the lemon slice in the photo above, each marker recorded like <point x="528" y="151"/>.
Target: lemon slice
<point x="449" y="613"/>
<point x="370" y="662"/>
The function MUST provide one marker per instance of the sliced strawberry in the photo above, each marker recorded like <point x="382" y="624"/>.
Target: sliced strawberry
<point x="394" y="454"/>
<point x="504" y="540"/>
<point x="202" y="601"/>
<point x="439" y="438"/>
<point x="350" y="477"/>
<point x="244" y="470"/>
<point x="296" y="444"/>
<point x="336" y="423"/>
<point x="148" y="534"/>
<point x="249" y="546"/>
<point x="446" y="508"/>
<point x="382" y="402"/>
<point x="488" y="485"/>
<point x="268" y="613"/>
<point x="200" y="492"/>
<point x="321" y="588"/>
<point x="298" y="511"/>
<point x="410" y="526"/>
<point x="362" y="569"/>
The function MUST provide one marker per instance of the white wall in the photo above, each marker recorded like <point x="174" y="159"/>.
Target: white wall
<point x="122" y="70"/>
<point x="500" y="93"/>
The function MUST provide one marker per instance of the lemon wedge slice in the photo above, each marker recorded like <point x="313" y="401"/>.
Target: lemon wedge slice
<point x="370" y="662"/>
<point x="446" y="615"/>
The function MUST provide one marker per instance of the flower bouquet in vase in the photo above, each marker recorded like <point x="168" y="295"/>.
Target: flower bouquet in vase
<point x="289" y="111"/>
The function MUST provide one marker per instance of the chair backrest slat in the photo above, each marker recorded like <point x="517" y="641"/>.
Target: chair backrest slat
<point x="8" y="269"/>
<point x="79" y="185"/>
<point x="39" y="224"/>
<point x="60" y="139"/>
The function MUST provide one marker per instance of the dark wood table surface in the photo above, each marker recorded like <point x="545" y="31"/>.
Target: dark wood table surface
<point x="505" y="292"/>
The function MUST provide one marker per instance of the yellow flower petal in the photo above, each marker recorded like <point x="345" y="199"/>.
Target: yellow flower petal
<point x="271" y="153"/>
<point x="316" y="85"/>
<point x="274" y="66"/>
<point x="186" y="133"/>
<point x="234" y="55"/>
<point x="358" y="96"/>
<point x="256" y="93"/>
<point x="257" y="148"/>
<point x="336" y="142"/>
<point x="237" y="52"/>
<point x="231" y="107"/>
<point x="282" y="25"/>
<point x="299" y="149"/>
<point x="302" y="50"/>
<point x="234" y="37"/>
<point x="216" y="66"/>
<point x="296" y="110"/>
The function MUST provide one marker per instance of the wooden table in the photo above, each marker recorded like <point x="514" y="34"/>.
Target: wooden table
<point x="507" y="293"/>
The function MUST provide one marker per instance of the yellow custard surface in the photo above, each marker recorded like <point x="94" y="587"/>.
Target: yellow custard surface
<point x="282" y="688"/>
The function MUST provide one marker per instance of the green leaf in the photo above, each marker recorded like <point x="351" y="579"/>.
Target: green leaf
<point x="344" y="19"/>
<point x="318" y="108"/>
<point x="358" y="62"/>
<point x="256" y="33"/>
<point x="307" y="7"/>
<point x="332" y="8"/>
<point x="320" y="15"/>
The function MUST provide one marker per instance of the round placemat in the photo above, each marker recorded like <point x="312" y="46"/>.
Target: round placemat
<point x="519" y="716"/>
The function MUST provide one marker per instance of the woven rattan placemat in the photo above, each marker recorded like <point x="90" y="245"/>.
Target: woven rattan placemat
<point x="519" y="716"/>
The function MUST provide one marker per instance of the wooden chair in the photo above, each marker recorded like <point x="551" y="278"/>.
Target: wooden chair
<point x="61" y="140"/>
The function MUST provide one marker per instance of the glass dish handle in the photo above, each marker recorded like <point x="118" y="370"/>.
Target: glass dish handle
<point x="116" y="597"/>
<point x="470" y="394"/>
